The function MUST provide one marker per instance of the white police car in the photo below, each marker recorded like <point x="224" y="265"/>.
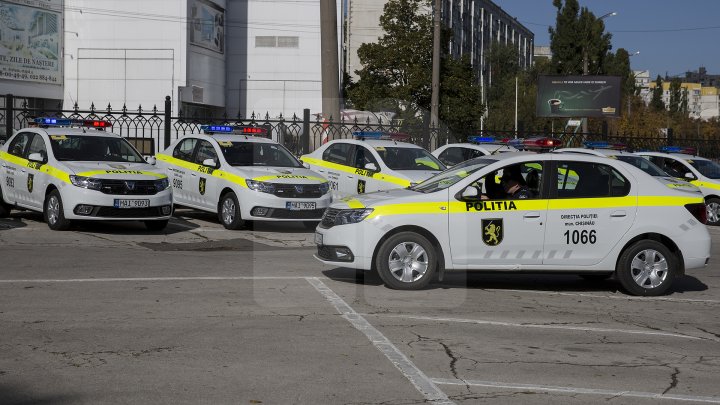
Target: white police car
<point x="476" y="146"/>
<point x="240" y="174"/>
<point x="72" y="169"/>
<point x="604" y="222"/>
<point x="685" y="164"/>
<point x="372" y="161"/>
<point x="619" y="152"/>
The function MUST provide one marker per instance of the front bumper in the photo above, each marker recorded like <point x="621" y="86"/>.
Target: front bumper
<point x="101" y="207"/>
<point x="349" y="245"/>
<point x="258" y="206"/>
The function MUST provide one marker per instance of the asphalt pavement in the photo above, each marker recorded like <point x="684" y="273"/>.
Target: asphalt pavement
<point x="112" y="313"/>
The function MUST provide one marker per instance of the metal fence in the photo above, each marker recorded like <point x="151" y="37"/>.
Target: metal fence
<point x="153" y="130"/>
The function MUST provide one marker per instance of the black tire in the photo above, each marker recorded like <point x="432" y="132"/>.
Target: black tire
<point x="53" y="212"/>
<point x="158" y="225"/>
<point x="596" y="277"/>
<point x="229" y="212"/>
<point x="408" y="272"/>
<point x="5" y="208"/>
<point x="311" y="225"/>
<point x="713" y="211"/>
<point x="655" y="274"/>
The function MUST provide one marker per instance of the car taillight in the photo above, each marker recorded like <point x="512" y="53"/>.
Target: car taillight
<point x="699" y="211"/>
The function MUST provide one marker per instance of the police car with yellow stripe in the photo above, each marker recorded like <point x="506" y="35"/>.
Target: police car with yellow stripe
<point x="240" y="174"/>
<point x="72" y="169"/>
<point x="476" y="146"/>
<point x="602" y="223"/>
<point x="372" y="161"/>
<point x="684" y="163"/>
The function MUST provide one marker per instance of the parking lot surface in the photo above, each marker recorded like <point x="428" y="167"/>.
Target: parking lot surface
<point x="112" y="313"/>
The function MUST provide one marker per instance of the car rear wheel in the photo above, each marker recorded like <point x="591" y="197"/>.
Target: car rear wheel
<point x="53" y="212"/>
<point x="713" y="211"/>
<point x="156" y="225"/>
<point x="406" y="261"/>
<point x="647" y="268"/>
<point x="229" y="211"/>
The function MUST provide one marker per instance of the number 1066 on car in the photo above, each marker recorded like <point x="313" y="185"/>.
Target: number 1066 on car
<point x="583" y="237"/>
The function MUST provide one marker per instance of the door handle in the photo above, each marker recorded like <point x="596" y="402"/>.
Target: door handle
<point x="23" y="170"/>
<point x="532" y="215"/>
<point x="618" y="214"/>
<point x="194" y="174"/>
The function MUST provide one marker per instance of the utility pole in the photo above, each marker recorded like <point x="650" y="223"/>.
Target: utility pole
<point x="435" y="100"/>
<point x="329" y="61"/>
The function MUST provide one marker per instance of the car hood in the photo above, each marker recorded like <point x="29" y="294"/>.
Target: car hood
<point x="417" y="176"/>
<point x="282" y="175"/>
<point x="114" y="170"/>
<point x="377" y="198"/>
<point x="679" y="184"/>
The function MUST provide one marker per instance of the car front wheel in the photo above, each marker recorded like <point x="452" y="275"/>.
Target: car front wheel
<point x="53" y="212"/>
<point x="713" y="211"/>
<point x="229" y="211"/>
<point x="647" y="268"/>
<point x="406" y="261"/>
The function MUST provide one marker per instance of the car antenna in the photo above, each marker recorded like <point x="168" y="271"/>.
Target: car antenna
<point x="497" y="150"/>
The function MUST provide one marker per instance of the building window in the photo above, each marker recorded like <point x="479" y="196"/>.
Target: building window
<point x="277" y="42"/>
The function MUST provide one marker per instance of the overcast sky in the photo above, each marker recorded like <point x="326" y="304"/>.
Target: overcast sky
<point x="673" y="36"/>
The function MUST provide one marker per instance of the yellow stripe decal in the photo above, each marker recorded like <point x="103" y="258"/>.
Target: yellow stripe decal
<point x="122" y="172"/>
<point x="233" y="178"/>
<point x="353" y="202"/>
<point x="362" y="172"/>
<point x="52" y="171"/>
<point x="706" y="184"/>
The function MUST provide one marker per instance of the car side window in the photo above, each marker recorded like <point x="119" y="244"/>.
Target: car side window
<point x="362" y="157"/>
<point x="451" y="156"/>
<point x="338" y="153"/>
<point x="19" y="143"/>
<point x="205" y="151"/>
<point x="519" y="181"/>
<point x="184" y="149"/>
<point x="676" y="168"/>
<point x="37" y="145"/>
<point x="589" y="180"/>
<point x="471" y="154"/>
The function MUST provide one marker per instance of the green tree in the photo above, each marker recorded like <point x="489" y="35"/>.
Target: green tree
<point x="578" y="41"/>
<point x="675" y="104"/>
<point x="460" y="95"/>
<point x="657" y="103"/>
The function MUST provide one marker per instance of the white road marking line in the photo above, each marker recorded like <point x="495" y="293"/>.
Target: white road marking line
<point x="574" y="390"/>
<point x="132" y="279"/>
<point x="627" y="298"/>
<point x="540" y="326"/>
<point x="421" y="382"/>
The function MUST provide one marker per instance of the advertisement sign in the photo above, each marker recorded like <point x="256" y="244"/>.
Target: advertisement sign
<point x="578" y="96"/>
<point x="207" y="25"/>
<point x="30" y="48"/>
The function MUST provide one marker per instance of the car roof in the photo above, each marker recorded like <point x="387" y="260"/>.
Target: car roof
<point x="595" y="151"/>
<point x="683" y="156"/>
<point x="74" y="131"/>
<point x="377" y="143"/>
<point x="483" y="147"/>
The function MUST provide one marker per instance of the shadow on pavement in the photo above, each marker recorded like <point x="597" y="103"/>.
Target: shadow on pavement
<point x="12" y="222"/>
<point x="257" y="226"/>
<point x="11" y="395"/>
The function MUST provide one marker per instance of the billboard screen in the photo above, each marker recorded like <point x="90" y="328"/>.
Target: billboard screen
<point x="578" y="96"/>
<point x="207" y="25"/>
<point x="30" y="41"/>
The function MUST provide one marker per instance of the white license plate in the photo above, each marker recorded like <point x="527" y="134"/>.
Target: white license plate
<point x="297" y="206"/>
<point x="131" y="203"/>
<point x="318" y="239"/>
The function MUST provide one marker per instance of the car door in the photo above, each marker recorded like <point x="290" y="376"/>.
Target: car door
<point x="339" y="173"/>
<point x="495" y="229"/>
<point x="202" y="184"/>
<point x="590" y="209"/>
<point x="364" y="178"/>
<point x="15" y="169"/>
<point x="37" y="177"/>
<point x="179" y="171"/>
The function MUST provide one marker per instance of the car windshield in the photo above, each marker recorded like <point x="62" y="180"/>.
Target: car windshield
<point x="89" y="148"/>
<point x="257" y="154"/>
<point x="643" y="164"/>
<point x="451" y="176"/>
<point x="707" y="168"/>
<point x="408" y="159"/>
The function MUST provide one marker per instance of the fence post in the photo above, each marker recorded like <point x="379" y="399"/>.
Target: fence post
<point x="9" y="115"/>
<point x="167" y="122"/>
<point x="305" y="141"/>
<point x="670" y="137"/>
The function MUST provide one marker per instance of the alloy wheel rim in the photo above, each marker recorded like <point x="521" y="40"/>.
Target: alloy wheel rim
<point x="53" y="210"/>
<point x="713" y="212"/>
<point x="228" y="211"/>
<point x="649" y="268"/>
<point x="408" y="262"/>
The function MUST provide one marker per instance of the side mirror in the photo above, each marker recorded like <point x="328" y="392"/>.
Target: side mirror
<point x="209" y="163"/>
<point x="470" y="193"/>
<point x="36" y="157"/>
<point x="151" y="160"/>
<point x="305" y="165"/>
<point x="689" y="176"/>
<point x="371" y="166"/>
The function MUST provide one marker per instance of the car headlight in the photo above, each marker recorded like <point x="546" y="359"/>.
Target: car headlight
<point x="86" y="182"/>
<point x="345" y="217"/>
<point x="260" y="186"/>
<point x="324" y="188"/>
<point x="162" y="184"/>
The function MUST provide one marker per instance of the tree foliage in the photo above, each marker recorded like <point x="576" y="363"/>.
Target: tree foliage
<point x="578" y="38"/>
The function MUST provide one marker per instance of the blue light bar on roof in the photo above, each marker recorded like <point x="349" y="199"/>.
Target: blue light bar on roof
<point x="65" y="122"/>
<point x="209" y="129"/>
<point x="368" y="134"/>
<point x="482" y="139"/>
<point x="604" y="145"/>
<point x="677" y="149"/>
